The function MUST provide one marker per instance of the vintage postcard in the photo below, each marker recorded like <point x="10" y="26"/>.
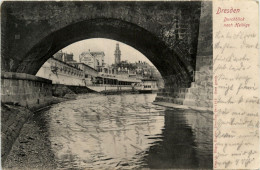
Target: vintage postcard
<point x="130" y="84"/>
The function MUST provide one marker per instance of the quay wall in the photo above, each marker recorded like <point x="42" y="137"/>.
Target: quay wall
<point x="25" y="90"/>
<point x="12" y="120"/>
<point x="20" y="95"/>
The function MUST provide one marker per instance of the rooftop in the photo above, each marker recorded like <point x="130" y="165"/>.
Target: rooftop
<point x="97" y="53"/>
<point x="84" y="65"/>
<point x="65" y="63"/>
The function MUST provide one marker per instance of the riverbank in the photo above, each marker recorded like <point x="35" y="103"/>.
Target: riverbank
<point x="13" y="119"/>
<point x="32" y="143"/>
<point x="23" y="135"/>
<point x="21" y="129"/>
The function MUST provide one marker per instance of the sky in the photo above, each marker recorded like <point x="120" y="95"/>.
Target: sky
<point x="108" y="46"/>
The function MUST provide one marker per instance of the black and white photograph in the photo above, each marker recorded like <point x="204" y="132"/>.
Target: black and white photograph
<point x="106" y="85"/>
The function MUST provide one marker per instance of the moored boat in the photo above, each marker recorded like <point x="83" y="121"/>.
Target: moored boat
<point x="148" y="86"/>
<point x="114" y="84"/>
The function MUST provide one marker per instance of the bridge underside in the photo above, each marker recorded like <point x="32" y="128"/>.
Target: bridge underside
<point x="165" y="32"/>
<point x="166" y="60"/>
<point x="174" y="36"/>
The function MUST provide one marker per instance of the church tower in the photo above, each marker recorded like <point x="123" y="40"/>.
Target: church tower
<point x="117" y="54"/>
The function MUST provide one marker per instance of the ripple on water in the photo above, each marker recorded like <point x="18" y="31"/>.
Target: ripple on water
<point x="127" y="131"/>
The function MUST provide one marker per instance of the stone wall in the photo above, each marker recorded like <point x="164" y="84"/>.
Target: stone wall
<point x="200" y="92"/>
<point x="18" y="91"/>
<point x="12" y="121"/>
<point x="25" y="90"/>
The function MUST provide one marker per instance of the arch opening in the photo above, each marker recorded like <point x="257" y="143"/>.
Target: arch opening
<point x="164" y="59"/>
<point x="101" y="59"/>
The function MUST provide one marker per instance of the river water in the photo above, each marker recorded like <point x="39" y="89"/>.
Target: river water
<point x="127" y="131"/>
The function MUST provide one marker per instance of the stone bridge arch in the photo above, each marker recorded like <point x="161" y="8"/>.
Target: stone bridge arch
<point x="155" y="50"/>
<point x="165" y="32"/>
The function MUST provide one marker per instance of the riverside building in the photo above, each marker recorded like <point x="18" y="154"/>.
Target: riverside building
<point x="61" y="72"/>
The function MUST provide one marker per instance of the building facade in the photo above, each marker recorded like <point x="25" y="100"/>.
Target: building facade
<point x="62" y="56"/>
<point x="93" y="59"/>
<point x="61" y="73"/>
<point x="99" y="58"/>
<point x="86" y="58"/>
<point x="68" y="57"/>
<point x="90" y="73"/>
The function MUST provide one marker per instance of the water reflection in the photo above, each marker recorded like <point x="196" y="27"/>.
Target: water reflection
<point x="187" y="141"/>
<point x="128" y="131"/>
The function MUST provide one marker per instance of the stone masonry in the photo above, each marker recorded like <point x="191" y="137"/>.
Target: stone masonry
<point x="20" y="94"/>
<point x="200" y="93"/>
<point x="25" y="90"/>
<point x="12" y="121"/>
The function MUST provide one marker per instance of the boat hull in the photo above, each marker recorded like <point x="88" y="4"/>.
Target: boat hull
<point x="107" y="88"/>
<point x="147" y="91"/>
